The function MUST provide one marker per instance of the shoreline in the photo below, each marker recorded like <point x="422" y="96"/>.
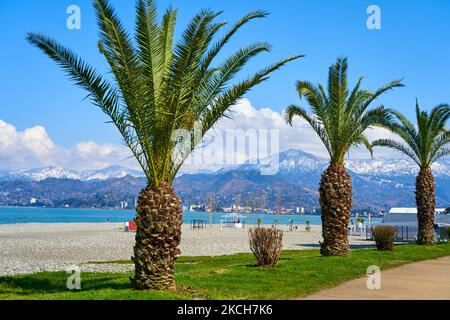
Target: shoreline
<point x="73" y="208"/>
<point x="25" y="215"/>
<point x="184" y="224"/>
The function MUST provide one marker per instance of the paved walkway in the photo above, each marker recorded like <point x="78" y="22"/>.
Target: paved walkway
<point x="423" y="280"/>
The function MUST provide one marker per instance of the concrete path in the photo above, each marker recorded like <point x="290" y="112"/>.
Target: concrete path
<point x="425" y="280"/>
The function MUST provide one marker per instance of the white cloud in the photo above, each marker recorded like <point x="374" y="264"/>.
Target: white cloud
<point x="91" y="155"/>
<point x="299" y="136"/>
<point x="33" y="148"/>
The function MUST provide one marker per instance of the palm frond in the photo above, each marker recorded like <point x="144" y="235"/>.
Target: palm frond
<point x="149" y="48"/>
<point x="222" y="75"/>
<point x="315" y="123"/>
<point x="232" y="95"/>
<point x="429" y="141"/>
<point x="441" y="141"/>
<point x="444" y="152"/>
<point x="166" y="39"/>
<point x="397" y="146"/>
<point x="341" y="114"/>
<point x="102" y="93"/>
<point x="213" y="52"/>
<point x="363" y="140"/>
<point x="314" y="97"/>
<point x="160" y="87"/>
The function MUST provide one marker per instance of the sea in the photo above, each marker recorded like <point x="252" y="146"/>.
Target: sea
<point x="13" y="215"/>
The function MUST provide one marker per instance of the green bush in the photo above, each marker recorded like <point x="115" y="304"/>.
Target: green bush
<point x="448" y="233"/>
<point x="259" y="222"/>
<point x="384" y="237"/>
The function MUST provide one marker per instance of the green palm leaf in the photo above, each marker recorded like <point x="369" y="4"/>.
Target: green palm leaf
<point x="340" y="116"/>
<point x="425" y="144"/>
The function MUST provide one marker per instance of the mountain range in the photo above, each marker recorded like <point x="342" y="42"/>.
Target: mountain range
<point x="378" y="184"/>
<point x="41" y="174"/>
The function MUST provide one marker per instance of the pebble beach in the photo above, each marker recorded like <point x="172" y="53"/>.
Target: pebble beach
<point x="35" y="247"/>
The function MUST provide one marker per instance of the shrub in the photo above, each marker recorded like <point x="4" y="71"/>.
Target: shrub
<point x="266" y="244"/>
<point x="448" y="233"/>
<point x="259" y="222"/>
<point x="384" y="237"/>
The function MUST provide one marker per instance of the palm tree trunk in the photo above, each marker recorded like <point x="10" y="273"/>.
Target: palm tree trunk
<point x="158" y="235"/>
<point x="336" y="203"/>
<point x="426" y="205"/>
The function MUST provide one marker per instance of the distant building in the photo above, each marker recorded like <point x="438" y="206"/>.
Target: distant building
<point x="33" y="201"/>
<point x="405" y="220"/>
<point x="197" y="208"/>
<point x="408" y="216"/>
<point x="123" y="204"/>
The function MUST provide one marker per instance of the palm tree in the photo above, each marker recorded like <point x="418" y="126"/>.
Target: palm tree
<point x="160" y="89"/>
<point x="426" y="144"/>
<point x="339" y="118"/>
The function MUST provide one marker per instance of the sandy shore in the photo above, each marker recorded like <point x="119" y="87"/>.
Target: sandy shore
<point x="29" y="248"/>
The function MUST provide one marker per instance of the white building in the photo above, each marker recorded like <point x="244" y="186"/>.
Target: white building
<point x="408" y="216"/>
<point x="300" y="210"/>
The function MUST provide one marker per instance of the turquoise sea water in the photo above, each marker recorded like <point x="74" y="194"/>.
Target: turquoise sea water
<point x="69" y="215"/>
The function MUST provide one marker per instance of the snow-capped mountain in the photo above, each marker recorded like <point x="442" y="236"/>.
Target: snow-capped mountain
<point x="297" y="161"/>
<point x="289" y="162"/>
<point x="61" y="173"/>
<point x="394" y="167"/>
<point x="110" y="173"/>
<point x="378" y="184"/>
<point x="45" y="173"/>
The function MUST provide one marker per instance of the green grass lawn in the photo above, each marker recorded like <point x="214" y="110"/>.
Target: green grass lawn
<point x="228" y="277"/>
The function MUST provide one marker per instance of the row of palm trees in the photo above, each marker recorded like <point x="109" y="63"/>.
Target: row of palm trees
<point x="160" y="86"/>
<point x="340" y="118"/>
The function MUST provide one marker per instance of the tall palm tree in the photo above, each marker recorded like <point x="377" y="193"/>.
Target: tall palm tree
<point x="340" y="117"/>
<point x="426" y="144"/>
<point x="159" y="89"/>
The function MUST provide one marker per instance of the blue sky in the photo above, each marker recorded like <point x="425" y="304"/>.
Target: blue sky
<point x="413" y="43"/>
